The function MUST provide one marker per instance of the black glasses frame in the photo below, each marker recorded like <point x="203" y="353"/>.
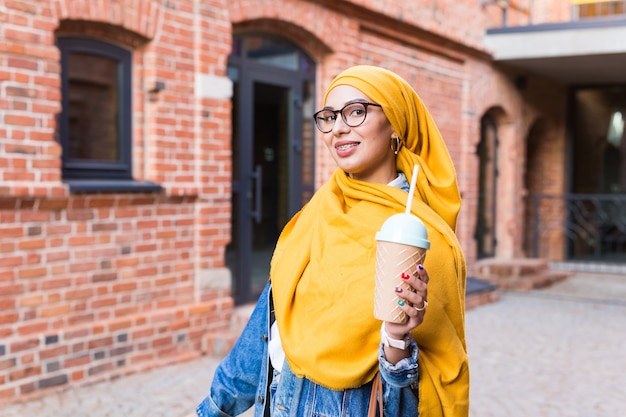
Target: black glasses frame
<point x="343" y="116"/>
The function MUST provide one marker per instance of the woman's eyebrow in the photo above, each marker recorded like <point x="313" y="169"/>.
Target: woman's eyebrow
<point x="356" y="100"/>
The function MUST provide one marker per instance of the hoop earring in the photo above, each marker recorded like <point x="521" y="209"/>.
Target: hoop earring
<point x="396" y="141"/>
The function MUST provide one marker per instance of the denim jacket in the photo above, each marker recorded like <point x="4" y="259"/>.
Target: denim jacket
<point x="245" y="378"/>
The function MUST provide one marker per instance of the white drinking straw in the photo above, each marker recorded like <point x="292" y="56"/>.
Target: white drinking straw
<point x="409" y="199"/>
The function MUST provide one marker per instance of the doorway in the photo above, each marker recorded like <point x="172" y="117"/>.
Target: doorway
<point x="487" y="152"/>
<point x="596" y="204"/>
<point x="272" y="143"/>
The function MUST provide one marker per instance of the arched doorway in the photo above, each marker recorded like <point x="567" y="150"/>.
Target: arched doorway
<point x="272" y="151"/>
<point x="543" y="211"/>
<point x="487" y="152"/>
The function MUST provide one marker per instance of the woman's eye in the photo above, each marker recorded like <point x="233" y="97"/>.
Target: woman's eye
<point x="355" y="111"/>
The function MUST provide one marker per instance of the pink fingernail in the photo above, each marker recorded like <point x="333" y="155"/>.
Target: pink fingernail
<point x="398" y="289"/>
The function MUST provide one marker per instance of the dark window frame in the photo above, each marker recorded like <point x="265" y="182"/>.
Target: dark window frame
<point x="100" y="176"/>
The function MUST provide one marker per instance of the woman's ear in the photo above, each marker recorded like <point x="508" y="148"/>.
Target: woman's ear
<point x="396" y="144"/>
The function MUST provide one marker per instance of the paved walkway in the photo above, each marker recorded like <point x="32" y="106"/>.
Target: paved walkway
<point x="556" y="352"/>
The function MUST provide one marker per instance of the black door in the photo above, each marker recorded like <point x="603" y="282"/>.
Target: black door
<point x="269" y="135"/>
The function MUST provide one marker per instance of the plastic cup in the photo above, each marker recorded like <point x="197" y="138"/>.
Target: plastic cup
<point x="401" y="245"/>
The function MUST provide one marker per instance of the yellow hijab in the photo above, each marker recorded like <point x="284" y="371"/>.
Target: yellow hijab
<point x="323" y="268"/>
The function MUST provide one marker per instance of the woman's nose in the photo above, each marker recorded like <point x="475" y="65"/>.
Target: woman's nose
<point x="340" y="125"/>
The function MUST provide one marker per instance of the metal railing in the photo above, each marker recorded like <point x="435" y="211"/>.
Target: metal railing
<point x="584" y="227"/>
<point x="581" y="10"/>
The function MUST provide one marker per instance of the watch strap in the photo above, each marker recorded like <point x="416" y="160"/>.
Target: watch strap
<point x="394" y="343"/>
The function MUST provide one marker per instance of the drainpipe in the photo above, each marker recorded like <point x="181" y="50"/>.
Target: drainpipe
<point x="504" y="4"/>
<point x="145" y="125"/>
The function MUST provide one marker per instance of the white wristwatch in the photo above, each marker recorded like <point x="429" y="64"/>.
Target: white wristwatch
<point x="394" y="343"/>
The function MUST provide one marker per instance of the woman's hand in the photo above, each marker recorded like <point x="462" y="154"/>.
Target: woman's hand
<point x="414" y="302"/>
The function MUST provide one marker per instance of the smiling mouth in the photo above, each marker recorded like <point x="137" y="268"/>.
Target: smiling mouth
<point x="346" y="146"/>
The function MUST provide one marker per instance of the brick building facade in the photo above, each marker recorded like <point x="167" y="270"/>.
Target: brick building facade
<point x="100" y="275"/>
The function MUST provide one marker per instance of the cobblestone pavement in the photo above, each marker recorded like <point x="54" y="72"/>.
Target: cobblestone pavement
<point x="555" y="352"/>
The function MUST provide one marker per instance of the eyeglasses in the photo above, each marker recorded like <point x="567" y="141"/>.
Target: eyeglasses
<point x="353" y="115"/>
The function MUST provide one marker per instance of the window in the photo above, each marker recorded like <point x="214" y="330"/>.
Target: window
<point x="95" y="128"/>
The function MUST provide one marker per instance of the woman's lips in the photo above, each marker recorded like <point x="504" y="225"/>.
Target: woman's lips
<point x="346" y="148"/>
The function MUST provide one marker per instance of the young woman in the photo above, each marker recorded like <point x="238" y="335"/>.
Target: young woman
<point x="312" y="346"/>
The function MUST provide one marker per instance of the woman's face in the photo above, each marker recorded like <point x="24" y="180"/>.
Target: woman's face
<point x="364" y="151"/>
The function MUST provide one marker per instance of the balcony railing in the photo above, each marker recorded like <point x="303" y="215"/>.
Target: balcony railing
<point x="592" y="9"/>
<point x="578" y="227"/>
<point x="524" y="13"/>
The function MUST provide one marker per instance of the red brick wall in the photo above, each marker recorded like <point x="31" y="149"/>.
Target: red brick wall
<point x="98" y="285"/>
<point x="522" y="13"/>
<point x="546" y="150"/>
<point x="549" y="11"/>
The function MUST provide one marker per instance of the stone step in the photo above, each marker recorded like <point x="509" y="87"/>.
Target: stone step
<point x="548" y="278"/>
<point x="219" y="343"/>
<point x="494" y="267"/>
<point x="479" y="292"/>
<point x="527" y="282"/>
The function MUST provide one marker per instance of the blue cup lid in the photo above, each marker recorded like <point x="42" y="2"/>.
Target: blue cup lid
<point x="406" y="229"/>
